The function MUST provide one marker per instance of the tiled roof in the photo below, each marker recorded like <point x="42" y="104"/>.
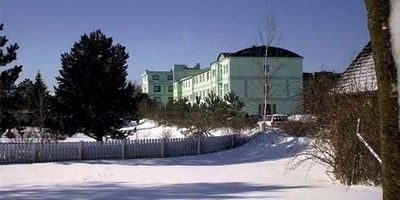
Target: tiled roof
<point x="360" y="75"/>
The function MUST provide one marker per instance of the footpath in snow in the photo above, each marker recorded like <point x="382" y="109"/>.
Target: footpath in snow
<point x="256" y="170"/>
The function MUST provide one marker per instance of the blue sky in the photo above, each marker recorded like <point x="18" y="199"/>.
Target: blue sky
<point x="158" y="34"/>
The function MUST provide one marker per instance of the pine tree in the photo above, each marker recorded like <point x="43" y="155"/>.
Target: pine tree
<point x="8" y="93"/>
<point x="93" y="95"/>
<point x="38" y="101"/>
<point x="386" y="73"/>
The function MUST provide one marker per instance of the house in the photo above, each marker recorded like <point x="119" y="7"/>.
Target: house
<point x="360" y="75"/>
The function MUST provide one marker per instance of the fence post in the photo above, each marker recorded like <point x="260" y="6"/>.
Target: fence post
<point x="198" y="146"/>
<point x="123" y="149"/>
<point x="233" y="141"/>
<point x="162" y="147"/>
<point x="33" y="155"/>
<point x="80" y="145"/>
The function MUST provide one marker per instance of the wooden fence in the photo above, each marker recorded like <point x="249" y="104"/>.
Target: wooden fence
<point x="122" y="149"/>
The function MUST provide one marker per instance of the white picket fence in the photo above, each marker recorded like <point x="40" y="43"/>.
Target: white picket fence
<point x="122" y="149"/>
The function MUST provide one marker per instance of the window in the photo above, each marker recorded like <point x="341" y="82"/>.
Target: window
<point x="156" y="77"/>
<point x="287" y="88"/>
<point x="170" y="88"/>
<point x="213" y="73"/>
<point x="170" y="77"/>
<point x="271" y="109"/>
<point x="266" y="68"/>
<point x="245" y="88"/>
<point x="157" y="99"/>
<point x="208" y="76"/>
<point x="170" y="99"/>
<point x="226" y="87"/>
<point x="156" y="88"/>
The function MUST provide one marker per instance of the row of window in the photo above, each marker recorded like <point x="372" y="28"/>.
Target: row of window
<point x="157" y="88"/>
<point x="158" y="99"/>
<point x="204" y="93"/>
<point x="201" y="78"/>
<point x="156" y="77"/>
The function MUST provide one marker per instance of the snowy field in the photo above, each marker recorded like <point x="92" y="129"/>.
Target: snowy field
<point x="256" y="170"/>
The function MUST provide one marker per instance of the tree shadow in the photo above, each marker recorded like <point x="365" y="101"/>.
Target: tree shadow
<point x="120" y="190"/>
<point x="262" y="147"/>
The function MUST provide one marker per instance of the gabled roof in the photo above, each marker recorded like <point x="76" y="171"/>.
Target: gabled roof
<point x="259" y="51"/>
<point x="360" y="75"/>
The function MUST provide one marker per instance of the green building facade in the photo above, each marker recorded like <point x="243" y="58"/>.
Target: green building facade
<point x="242" y="72"/>
<point x="158" y="85"/>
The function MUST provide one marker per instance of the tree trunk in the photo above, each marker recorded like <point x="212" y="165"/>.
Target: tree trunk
<point x="378" y="24"/>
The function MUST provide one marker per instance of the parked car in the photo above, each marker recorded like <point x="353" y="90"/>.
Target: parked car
<point x="273" y="120"/>
<point x="307" y="118"/>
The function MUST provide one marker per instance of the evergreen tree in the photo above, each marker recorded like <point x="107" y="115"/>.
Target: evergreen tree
<point x="23" y="94"/>
<point x="93" y="95"/>
<point x="37" y="101"/>
<point x="8" y="92"/>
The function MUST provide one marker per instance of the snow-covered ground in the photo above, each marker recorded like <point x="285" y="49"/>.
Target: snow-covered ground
<point x="145" y="129"/>
<point x="256" y="170"/>
<point x="149" y="129"/>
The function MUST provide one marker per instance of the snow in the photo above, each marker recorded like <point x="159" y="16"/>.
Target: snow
<point x="78" y="138"/>
<point x="146" y="129"/>
<point x="256" y="170"/>
<point x="149" y="129"/>
<point x="395" y="34"/>
<point x="303" y="118"/>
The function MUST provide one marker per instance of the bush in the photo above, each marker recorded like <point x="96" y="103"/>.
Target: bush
<point x="207" y="114"/>
<point x="334" y="141"/>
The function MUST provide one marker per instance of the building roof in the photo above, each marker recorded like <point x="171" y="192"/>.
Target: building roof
<point x="259" y="51"/>
<point x="360" y="75"/>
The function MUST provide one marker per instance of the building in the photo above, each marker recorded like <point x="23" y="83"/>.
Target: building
<point x="242" y="72"/>
<point x="360" y="75"/>
<point x="158" y="85"/>
<point x="310" y="76"/>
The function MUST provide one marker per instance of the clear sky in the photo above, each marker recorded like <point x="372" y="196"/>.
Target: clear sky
<point x="158" y="34"/>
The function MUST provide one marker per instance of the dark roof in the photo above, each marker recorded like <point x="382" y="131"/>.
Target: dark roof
<point x="361" y="60"/>
<point x="360" y="75"/>
<point x="259" y="51"/>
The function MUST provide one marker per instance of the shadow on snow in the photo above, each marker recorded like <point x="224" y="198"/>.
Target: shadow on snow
<point x="230" y="190"/>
